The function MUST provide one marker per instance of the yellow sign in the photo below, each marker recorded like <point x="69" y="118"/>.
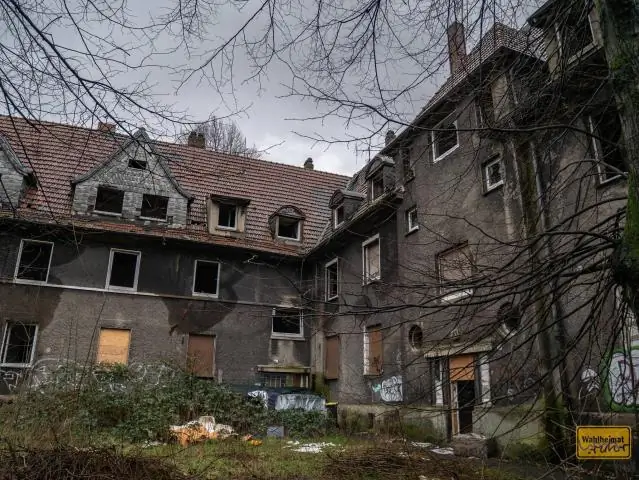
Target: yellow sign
<point x="604" y="443"/>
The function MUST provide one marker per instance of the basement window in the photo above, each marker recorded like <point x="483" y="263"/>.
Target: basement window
<point x="288" y="228"/>
<point x="445" y="140"/>
<point x="109" y="200"/>
<point x="137" y="164"/>
<point x="227" y="216"/>
<point x="154" y="207"/>
<point x="18" y="344"/>
<point x="206" y="280"/>
<point x="34" y="261"/>
<point x="287" y="323"/>
<point x="124" y="267"/>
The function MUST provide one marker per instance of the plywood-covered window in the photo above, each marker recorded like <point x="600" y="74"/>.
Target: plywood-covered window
<point x="462" y="367"/>
<point x="371" y="260"/>
<point x="455" y="271"/>
<point x="113" y="346"/>
<point x="373" y="350"/>
<point x="201" y="355"/>
<point x="331" y="360"/>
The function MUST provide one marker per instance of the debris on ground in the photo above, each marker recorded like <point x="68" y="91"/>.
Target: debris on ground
<point x="443" y="451"/>
<point x="309" y="447"/>
<point x="472" y="445"/>
<point x="200" y="430"/>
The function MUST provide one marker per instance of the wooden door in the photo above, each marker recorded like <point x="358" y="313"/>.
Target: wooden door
<point x="113" y="346"/>
<point x="201" y="355"/>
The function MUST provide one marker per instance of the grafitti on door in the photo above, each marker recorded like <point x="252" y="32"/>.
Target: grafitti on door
<point x="388" y="390"/>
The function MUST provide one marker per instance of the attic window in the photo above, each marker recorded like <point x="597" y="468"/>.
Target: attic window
<point x="137" y="164"/>
<point x="288" y="227"/>
<point x="154" y="206"/>
<point x="338" y="215"/>
<point x="109" y="200"/>
<point x="376" y="186"/>
<point x="227" y="216"/>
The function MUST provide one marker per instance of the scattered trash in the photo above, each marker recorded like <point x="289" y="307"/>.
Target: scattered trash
<point x="443" y="451"/>
<point x="421" y="444"/>
<point x="309" y="447"/>
<point x="200" y="430"/>
<point x="252" y="441"/>
<point x="276" y="432"/>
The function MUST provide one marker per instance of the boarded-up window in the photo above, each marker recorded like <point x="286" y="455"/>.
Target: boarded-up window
<point x="370" y="254"/>
<point x="455" y="271"/>
<point x="331" y="362"/>
<point x="113" y="346"/>
<point x="462" y="367"/>
<point x="373" y="351"/>
<point x="201" y="355"/>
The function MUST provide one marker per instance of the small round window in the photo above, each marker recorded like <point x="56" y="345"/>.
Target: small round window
<point x="415" y="337"/>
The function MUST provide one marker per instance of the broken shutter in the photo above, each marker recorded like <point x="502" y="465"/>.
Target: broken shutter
<point x="331" y="364"/>
<point x="113" y="346"/>
<point x="462" y="367"/>
<point x="201" y="355"/>
<point x="375" y="355"/>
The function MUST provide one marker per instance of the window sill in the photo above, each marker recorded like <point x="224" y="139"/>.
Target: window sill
<point x="152" y="219"/>
<point x="29" y="282"/>
<point x="109" y="288"/>
<point x="489" y="190"/>
<point x="108" y="214"/>
<point x="288" y="239"/>
<point x="281" y="336"/>
<point x="445" y="154"/>
<point x="371" y="281"/>
<point x="454" y="297"/>
<point x="332" y="299"/>
<point x="16" y="365"/>
<point x="411" y="231"/>
<point x="576" y="57"/>
<point x="205" y="295"/>
<point x="610" y="181"/>
<point x="226" y="229"/>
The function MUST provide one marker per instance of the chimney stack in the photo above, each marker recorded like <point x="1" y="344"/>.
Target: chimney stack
<point x="456" y="47"/>
<point x="308" y="164"/>
<point x="106" y="127"/>
<point x="196" y="140"/>
<point x="390" y="136"/>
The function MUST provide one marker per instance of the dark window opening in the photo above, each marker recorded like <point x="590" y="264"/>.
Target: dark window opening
<point x="409" y="173"/>
<point x="206" y="277"/>
<point x="415" y="337"/>
<point x="288" y="228"/>
<point x="485" y="110"/>
<point x="34" y="261"/>
<point x="575" y="33"/>
<point x="493" y="174"/>
<point x="509" y="316"/>
<point x="411" y="216"/>
<point x="606" y="142"/>
<point x="227" y="215"/>
<point x="339" y="215"/>
<point x="331" y="281"/>
<point x="18" y="343"/>
<point x="444" y="139"/>
<point x="109" y="200"/>
<point x="154" y="206"/>
<point x="124" y="267"/>
<point x="137" y="164"/>
<point x="287" y="322"/>
<point x="377" y="186"/>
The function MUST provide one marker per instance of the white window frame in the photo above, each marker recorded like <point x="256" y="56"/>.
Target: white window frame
<point x="379" y="177"/>
<point x="365" y="277"/>
<point x="601" y="173"/>
<point x="453" y="296"/>
<point x="237" y="218"/>
<point x="581" y="52"/>
<point x="217" y="287"/>
<point x="105" y="213"/>
<point x="366" y="352"/>
<point x="450" y="150"/>
<point x="335" y="262"/>
<point x="409" y="222"/>
<point x="17" y="269"/>
<point x="3" y="345"/>
<point x="299" y="229"/>
<point x="487" y="165"/>
<point x="277" y="335"/>
<point x="336" y="223"/>
<point x="138" y="253"/>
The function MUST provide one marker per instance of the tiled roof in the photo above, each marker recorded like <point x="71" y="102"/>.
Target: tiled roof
<point x="58" y="154"/>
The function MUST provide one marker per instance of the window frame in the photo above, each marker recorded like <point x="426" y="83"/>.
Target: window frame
<point x="217" y="287"/>
<point x="286" y="336"/>
<point x="596" y="148"/>
<point x="3" y="345"/>
<point x="461" y="292"/>
<point x="17" y="268"/>
<point x="155" y="219"/>
<point x="575" y="56"/>
<point x="450" y="150"/>
<point x="367" y="351"/>
<point x="335" y="262"/>
<point x="108" y="287"/>
<point x="237" y="217"/>
<point x="488" y="187"/>
<point x="337" y="223"/>
<point x="378" y="177"/>
<point x="134" y="161"/>
<point x="366" y="279"/>
<point x="105" y="212"/>
<point x="299" y="229"/>
<point x="410" y="227"/>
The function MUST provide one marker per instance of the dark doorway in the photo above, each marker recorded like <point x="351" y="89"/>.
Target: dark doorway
<point x="466" y="402"/>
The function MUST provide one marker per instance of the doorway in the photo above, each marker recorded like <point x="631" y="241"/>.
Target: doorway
<point x="462" y="393"/>
<point x="465" y="404"/>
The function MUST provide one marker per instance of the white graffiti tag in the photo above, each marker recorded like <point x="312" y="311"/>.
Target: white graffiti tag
<point x="391" y="390"/>
<point x="623" y="378"/>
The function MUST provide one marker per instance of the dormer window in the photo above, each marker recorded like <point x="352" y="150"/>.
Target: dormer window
<point x="338" y="215"/>
<point x="445" y="140"/>
<point x="137" y="164"/>
<point x="227" y="216"/>
<point x="288" y="228"/>
<point x="154" y="207"/>
<point x="109" y="200"/>
<point x="376" y="186"/>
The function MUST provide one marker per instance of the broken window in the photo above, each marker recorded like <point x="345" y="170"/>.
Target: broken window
<point x="207" y="277"/>
<point x="444" y="140"/>
<point x="288" y="227"/>
<point x="34" y="261"/>
<point x="373" y="350"/>
<point x="574" y="33"/>
<point x="415" y="337"/>
<point x="287" y="322"/>
<point x="377" y="186"/>
<point x="227" y="216"/>
<point x="123" y="272"/>
<point x="154" y="206"/>
<point x="607" y="139"/>
<point x="493" y="174"/>
<point x="137" y="164"/>
<point x="18" y="344"/>
<point x="371" y="260"/>
<point x="109" y="200"/>
<point x="331" y="360"/>
<point x="338" y="215"/>
<point x="332" y="280"/>
<point x="113" y="346"/>
<point x="455" y="272"/>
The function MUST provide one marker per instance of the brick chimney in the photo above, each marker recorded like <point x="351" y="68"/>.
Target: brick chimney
<point x="308" y="164"/>
<point x="196" y="140"/>
<point x="456" y="46"/>
<point x="106" y="127"/>
<point x="390" y="136"/>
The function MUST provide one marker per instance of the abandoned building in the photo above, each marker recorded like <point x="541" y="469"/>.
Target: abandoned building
<point x="126" y="249"/>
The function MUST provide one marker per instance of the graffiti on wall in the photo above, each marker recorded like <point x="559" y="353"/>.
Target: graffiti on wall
<point x="622" y="382"/>
<point x="388" y="390"/>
